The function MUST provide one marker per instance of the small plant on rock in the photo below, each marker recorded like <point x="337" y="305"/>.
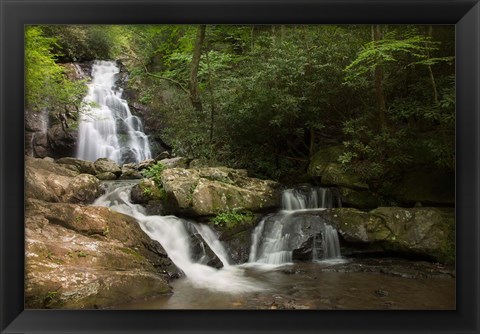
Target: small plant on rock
<point x="155" y="173"/>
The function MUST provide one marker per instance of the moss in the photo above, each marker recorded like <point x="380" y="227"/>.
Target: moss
<point x="230" y="219"/>
<point x="132" y="252"/>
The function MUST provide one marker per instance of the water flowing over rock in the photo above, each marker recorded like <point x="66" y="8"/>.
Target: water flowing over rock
<point x="288" y="235"/>
<point x="186" y="243"/>
<point x="88" y="257"/>
<point x="107" y="128"/>
<point x="81" y="256"/>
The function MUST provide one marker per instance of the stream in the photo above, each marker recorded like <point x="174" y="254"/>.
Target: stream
<point x="272" y="279"/>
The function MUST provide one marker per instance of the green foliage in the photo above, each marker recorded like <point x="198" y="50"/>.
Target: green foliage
<point x="87" y="42"/>
<point x="413" y="49"/>
<point x="273" y="95"/>
<point x="232" y="218"/>
<point x="154" y="172"/>
<point x="419" y="91"/>
<point x="46" y="83"/>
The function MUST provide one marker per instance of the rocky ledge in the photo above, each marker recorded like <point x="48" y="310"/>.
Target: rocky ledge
<point x="81" y="256"/>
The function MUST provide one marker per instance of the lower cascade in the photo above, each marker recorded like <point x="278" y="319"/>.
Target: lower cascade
<point x="274" y="240"/>
<point x="107" y="127"/>
<point x="278" y="236"/>
<point x="174" y="234"/>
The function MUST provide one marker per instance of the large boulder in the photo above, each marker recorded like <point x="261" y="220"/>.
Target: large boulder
<point x="105" y="165"/>
<point x="82" y="166"/>
<point x="89" y="257"/>
<point x="209" y="191"/>
<point x="426" y="232"/>
<point x="235" y="233"/>
<point x="130" y="172"/>
<point x="50" y="182"/>
<point x="145" y="191"/>
<point x="177" y="162"/>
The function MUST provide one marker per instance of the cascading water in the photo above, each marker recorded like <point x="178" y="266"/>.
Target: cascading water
<point x="277" y="236"/>
<point x="174" y="236"/>
<point x="107" y="128"/>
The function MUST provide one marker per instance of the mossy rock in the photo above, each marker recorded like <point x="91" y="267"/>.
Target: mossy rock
<point x="425" y="232"/>
<point x="323" y="158"/>
<point x="362" y="199"/>
<point x="147" y="190"/>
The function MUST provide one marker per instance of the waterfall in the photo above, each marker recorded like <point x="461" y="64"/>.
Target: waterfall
<point x="174" y="236"/>
<point x="277" y="236"/>
<point x="107" y="128"/>
<point x="307" y="198"/>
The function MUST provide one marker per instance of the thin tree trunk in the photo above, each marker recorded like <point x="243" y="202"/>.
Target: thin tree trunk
<point x="377" y="36"/>
<point x="212" y="97"/>
<point x="430" y="72"/>
<point x="193" y="84"/>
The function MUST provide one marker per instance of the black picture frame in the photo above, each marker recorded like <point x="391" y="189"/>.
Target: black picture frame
<point x="465" y="14"/>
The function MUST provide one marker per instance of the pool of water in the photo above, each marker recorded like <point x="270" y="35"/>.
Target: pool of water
<point x="354" y="284"/>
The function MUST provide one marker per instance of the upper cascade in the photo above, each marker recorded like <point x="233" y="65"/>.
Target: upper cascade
<point x="302" y="198"/>
<point x="107" y="128"/>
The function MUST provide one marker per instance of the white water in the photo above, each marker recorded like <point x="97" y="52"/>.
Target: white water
<point x="171" y="233"/>
<point x="275" y="237"/>
<point x="107" y="128"/>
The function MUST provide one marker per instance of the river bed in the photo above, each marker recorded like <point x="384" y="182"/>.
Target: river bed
<point x="353" y="284"/>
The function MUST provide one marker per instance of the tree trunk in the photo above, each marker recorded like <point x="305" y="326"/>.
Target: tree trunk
<point x="430" y="72"/>
<point x="212" y="97"/>
<point x="377" y="36"/>
<point x="193" y="84"/>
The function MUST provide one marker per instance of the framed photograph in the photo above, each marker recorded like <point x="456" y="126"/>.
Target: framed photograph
<point x="240" y="166"/>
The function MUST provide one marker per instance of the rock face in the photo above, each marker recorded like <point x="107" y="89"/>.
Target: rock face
<point x="236" y="236"/>
<point x="428" y="187"/>
<point x="81" y="166"/>
<point x="209" y="191"/>
<point x="81" y="256"/>
<point x="51" y="182"/>
<point x="62" y="141"/>
<point x="88" y="257"/>
<point x="427" y="232"/>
